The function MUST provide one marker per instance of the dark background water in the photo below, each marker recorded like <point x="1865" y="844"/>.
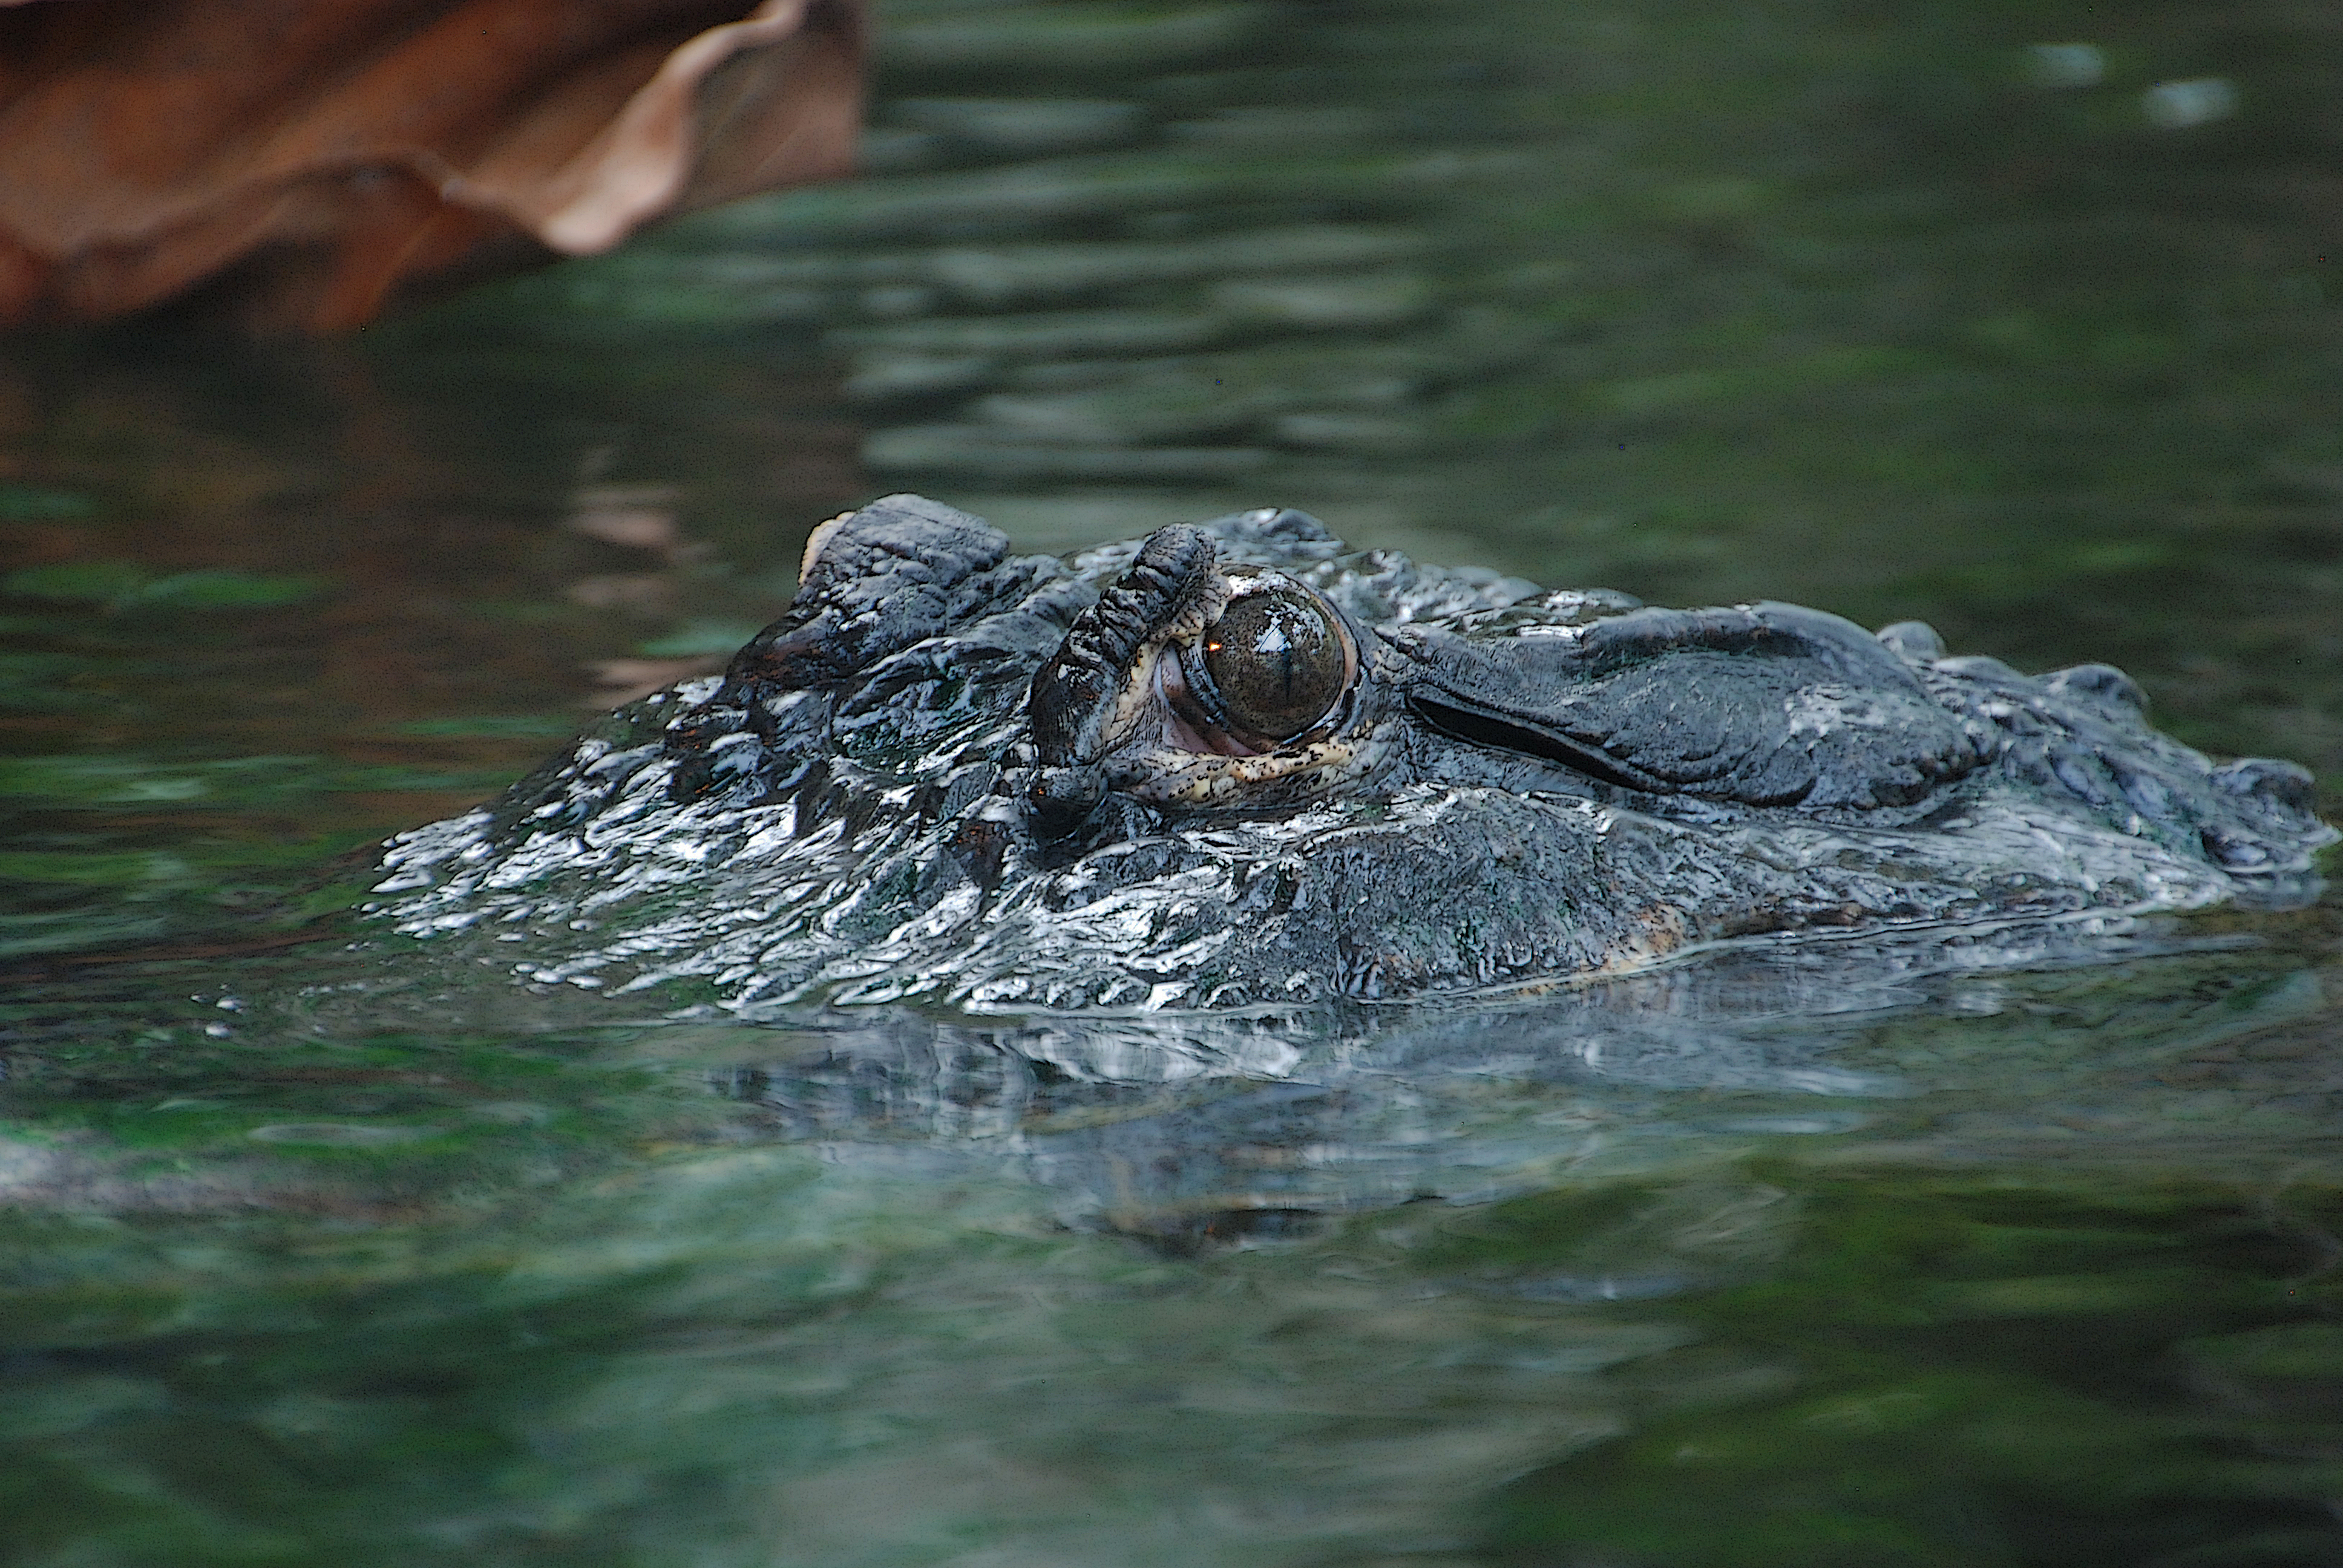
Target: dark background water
<point x="2018" y="319"/>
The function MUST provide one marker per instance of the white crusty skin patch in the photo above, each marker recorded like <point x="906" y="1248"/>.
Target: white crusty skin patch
<point x="1169" y="776"/>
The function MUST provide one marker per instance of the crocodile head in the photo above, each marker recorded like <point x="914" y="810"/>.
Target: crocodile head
<point x="1237" y="763"/>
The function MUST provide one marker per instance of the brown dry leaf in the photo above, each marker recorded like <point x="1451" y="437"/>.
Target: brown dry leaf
<point x="314" y="160"/>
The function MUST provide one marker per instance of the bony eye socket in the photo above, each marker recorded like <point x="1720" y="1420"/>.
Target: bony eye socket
<point x="1272" y="666"/>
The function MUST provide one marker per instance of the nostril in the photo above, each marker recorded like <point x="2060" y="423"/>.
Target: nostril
<point x="2284" y="784"/>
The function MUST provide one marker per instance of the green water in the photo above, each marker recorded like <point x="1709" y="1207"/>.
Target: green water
<point x="1884" y="308"/>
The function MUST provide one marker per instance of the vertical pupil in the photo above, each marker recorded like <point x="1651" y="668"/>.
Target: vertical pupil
<point x="1277" y="663"/>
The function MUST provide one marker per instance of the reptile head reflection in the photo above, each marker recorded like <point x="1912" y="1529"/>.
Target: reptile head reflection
<point x="1237" y="764"/>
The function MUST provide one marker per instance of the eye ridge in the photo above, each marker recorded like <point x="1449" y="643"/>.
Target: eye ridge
<point x="1276" y="672"/>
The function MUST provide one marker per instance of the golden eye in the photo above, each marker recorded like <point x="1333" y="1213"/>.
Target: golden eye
<point x="1275" y="664"/>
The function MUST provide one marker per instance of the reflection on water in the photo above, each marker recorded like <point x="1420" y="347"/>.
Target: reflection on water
<point x="2019" y="324"/>
<point x="1941" y="1269"/>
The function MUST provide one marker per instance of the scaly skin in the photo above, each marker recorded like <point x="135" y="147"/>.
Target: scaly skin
<point x="953" y="774"/>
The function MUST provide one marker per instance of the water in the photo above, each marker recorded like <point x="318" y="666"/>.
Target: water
<point x="2016" y="320"/>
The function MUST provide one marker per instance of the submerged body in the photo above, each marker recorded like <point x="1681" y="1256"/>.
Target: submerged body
<point x="1237" y="764"/>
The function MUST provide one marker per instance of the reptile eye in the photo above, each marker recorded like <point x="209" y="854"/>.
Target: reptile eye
<point x="1272" y="666"/>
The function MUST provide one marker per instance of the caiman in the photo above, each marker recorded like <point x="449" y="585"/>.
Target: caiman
<point x="1237" y="764"/>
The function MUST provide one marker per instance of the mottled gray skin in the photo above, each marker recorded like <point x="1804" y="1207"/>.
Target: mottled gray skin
<point x="951" y="773"/>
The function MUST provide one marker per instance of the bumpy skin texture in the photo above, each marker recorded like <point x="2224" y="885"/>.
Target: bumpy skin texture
<point x="953" y="774"/>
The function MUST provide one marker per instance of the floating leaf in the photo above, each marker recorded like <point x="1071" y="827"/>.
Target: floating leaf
<point x="367" y="144"/>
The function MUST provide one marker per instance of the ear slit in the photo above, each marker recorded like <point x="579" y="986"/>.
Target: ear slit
<point x="1482" y="729"/>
